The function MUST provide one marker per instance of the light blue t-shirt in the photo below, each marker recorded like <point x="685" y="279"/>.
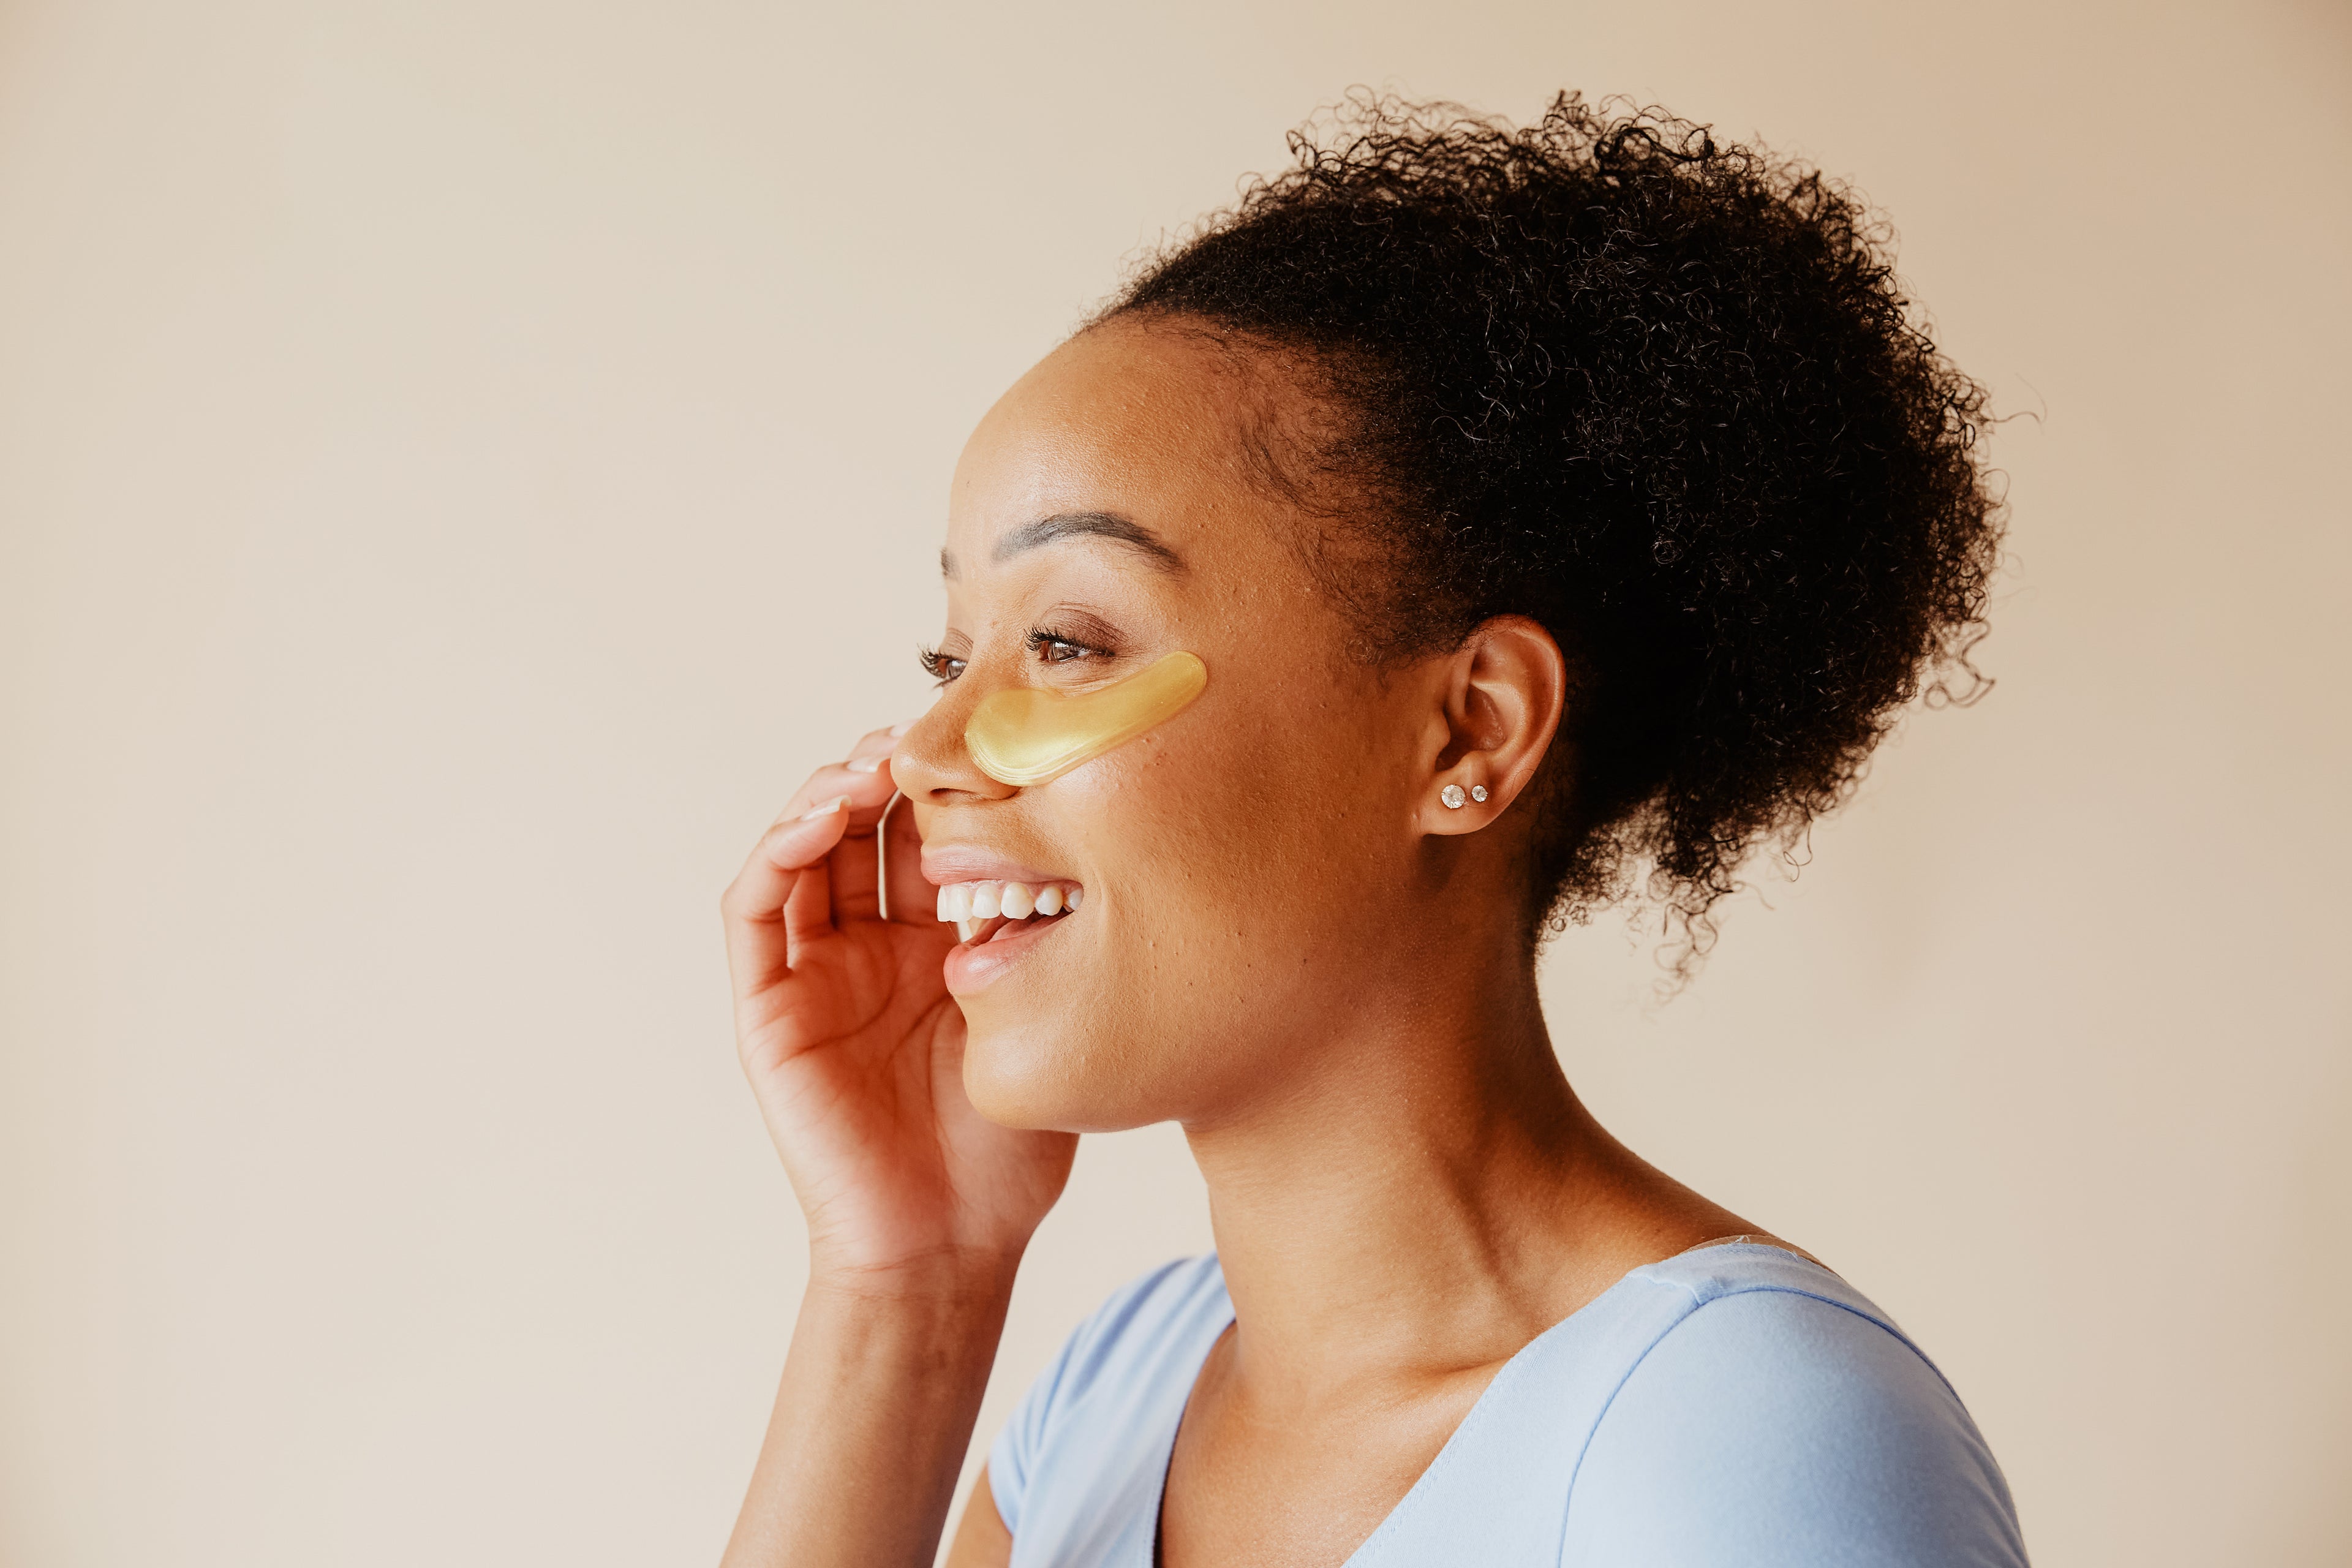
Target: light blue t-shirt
<point x="1735" y="1405"/>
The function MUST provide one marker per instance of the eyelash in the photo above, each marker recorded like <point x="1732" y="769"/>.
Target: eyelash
<point x="1041" y="638"/>
<point x="943" y="667"/>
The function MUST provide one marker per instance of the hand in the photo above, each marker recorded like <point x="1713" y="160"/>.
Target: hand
<point x="855" y="1049"/>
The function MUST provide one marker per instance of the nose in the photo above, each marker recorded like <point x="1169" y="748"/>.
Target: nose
<point x="931" y="765"/>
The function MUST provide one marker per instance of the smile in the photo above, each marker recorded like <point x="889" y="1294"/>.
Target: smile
<point x="961" y="902"/>
<point x="999" y="921"/>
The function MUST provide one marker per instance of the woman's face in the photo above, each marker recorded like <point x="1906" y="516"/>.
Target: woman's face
<point x="1248" y="869"/>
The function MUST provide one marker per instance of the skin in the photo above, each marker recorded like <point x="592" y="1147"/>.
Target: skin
<point x="1288" y="945"/>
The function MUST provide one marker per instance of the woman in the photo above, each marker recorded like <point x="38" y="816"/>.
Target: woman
<point x="1470" y="519"/>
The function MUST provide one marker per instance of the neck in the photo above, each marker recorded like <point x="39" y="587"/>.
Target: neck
<point x="1424" y="1198"/>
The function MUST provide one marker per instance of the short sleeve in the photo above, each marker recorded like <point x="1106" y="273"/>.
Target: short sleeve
<point x="1012" y="1459"/>
<point x="1125" y="1343"/>
<point x="1769" y="1427"/>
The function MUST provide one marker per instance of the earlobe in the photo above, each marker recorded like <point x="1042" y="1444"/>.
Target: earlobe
<point x="1503" y="695"/>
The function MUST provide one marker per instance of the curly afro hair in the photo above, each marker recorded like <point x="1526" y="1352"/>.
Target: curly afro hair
<point x="1661" y="393"/>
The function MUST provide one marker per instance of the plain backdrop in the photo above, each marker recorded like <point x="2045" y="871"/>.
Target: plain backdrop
<point x="463" y="461"/>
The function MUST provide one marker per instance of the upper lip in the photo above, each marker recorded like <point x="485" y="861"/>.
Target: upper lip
<point x="946" y="863"/>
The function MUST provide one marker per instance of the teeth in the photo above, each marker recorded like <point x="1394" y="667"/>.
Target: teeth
<point x="968" y="904"/>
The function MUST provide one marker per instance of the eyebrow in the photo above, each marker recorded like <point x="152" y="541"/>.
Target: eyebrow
<point x="1073" y="524"/>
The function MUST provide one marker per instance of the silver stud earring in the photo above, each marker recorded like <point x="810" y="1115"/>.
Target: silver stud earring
<point x="1478" y="793"/>
<point x="1453" y="796"/>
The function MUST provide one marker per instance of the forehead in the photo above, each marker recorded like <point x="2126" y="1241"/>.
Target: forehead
<point x="1145" y="426"/>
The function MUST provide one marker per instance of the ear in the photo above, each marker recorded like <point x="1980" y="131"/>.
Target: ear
<point x="1501" y="693"/>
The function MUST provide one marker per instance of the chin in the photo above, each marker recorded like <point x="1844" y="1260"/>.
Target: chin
<point x="1049" y="1079"/>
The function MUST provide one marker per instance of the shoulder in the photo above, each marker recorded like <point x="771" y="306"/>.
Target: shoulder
<point x="1782" y="1417"/>
<point x="1114" y="1379"/>
<point x="1138" y="1325"/>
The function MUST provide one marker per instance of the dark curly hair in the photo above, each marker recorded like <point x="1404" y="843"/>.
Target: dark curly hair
<point x="1662" y="394"/>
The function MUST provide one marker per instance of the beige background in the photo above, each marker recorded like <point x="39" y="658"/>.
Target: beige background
<point x="461" y="461"/>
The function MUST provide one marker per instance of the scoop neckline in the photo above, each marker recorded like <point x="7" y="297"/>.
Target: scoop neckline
<point x="1484" y="1404"/>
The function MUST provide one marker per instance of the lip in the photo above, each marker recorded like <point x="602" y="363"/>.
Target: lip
<point x="973" y="966"/>
<point x="946" y="863"/>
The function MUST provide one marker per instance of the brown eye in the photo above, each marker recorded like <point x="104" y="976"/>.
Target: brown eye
<point x="1052" y="648"/>
<point x="940" y="667"/>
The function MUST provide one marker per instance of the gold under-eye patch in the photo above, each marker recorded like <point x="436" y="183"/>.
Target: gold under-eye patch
<point x="1027" y="736"/>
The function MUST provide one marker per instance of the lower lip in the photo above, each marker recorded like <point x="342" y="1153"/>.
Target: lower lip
<point x="973" y="966"/>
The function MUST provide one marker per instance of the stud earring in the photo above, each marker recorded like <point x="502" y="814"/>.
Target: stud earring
<point x="1453" y="796"/>
<point x="1478" y="793"/>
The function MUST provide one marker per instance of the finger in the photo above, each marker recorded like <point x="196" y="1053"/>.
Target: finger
<point x="754" y="906"/>
<point x="808" y="907"/>
<point x="875" y="745"/>
<point x="867" y="790"/>
<point x="853" y="869"/>
<point x="870" y="754"/>
<point x="913" y="899"/>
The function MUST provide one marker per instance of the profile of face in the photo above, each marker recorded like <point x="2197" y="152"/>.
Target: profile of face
<point x="1249" y="865"/>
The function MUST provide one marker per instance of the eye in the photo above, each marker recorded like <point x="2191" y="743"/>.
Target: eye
<point x="1053" y="648"/>
<point x="941" y="667"/>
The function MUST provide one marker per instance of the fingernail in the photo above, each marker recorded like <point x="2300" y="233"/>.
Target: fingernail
<point x="867" y="764"/>
<point x="827" y="809"/>
<point x="901" y="728"/>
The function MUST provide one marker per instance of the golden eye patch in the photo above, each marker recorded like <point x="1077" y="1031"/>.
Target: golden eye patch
<point x="1026" y="736"/>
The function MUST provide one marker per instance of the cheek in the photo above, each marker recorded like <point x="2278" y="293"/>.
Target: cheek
<point x="1240" y="858"/>
<point x="1233" y="880"/>
<point x="1229" y="836"/>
